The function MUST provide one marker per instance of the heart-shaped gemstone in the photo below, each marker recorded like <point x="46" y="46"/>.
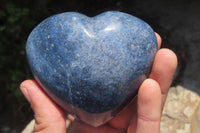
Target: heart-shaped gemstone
<point x="91" y="66"/>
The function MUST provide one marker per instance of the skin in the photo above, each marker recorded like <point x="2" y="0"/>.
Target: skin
<point x="142" y="115"/>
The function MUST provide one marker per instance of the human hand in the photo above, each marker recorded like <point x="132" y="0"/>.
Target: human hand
<point x="142" y="115"/>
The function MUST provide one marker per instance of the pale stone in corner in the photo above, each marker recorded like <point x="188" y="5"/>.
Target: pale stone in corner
<point x="30" y="127"/>
<point x="181" y="112"/>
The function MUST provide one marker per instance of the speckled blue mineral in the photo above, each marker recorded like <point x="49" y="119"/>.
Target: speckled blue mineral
<point x="91" y="66"/>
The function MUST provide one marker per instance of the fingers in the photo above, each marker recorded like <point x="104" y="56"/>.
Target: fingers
<point x="163" y="70"/>
<point x="129" y="112"/>
<point x="48" y="117"/>
<point x="148" y="108"/>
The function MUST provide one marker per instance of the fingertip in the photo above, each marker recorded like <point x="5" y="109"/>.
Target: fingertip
<point x="25" y="83"/>
<point x="167" y="58"/>
<point x="148" y="89"/>
<point x="159" y="40"/>
<point x="25" y="88"/>
<point x="28" y="83"/>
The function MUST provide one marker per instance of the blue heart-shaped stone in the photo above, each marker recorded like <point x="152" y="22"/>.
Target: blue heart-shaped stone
<point x="91" y="66"/>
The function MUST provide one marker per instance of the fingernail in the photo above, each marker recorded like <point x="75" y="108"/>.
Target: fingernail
<point x="25" y="92"/>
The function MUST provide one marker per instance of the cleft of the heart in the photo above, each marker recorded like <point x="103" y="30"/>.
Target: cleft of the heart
<point x="91" y="67"/>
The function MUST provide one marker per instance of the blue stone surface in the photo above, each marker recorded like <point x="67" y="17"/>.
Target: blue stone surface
<point x="91" y="64"/>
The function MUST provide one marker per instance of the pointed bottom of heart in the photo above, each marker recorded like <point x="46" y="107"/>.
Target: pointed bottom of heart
<point x="93" y="119"/>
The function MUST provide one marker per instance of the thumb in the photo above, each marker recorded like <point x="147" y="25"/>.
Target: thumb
<point x="49" y="118"/>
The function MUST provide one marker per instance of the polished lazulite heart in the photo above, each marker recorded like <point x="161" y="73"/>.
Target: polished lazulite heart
<point x="91" y="66"/>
